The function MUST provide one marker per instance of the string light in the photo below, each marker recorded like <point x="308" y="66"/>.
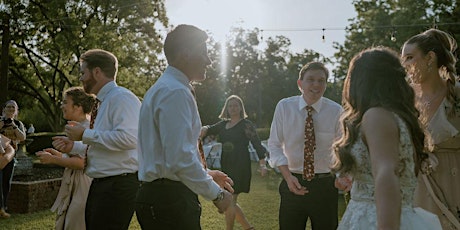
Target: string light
<point x="434" y="24"/>
<point x="323" y="37"/>
<point x="360" y="30"/>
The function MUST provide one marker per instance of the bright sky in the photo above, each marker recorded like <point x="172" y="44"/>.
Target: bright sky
<point x="299" y="20"/>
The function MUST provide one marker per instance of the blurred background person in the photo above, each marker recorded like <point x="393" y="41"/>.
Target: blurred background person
<point x="235" y="132"/>
<point x="382" y="145"/>
<point x="14" y="129"/>
<point x="71" y="199"/>
<point x="430" y="62"/>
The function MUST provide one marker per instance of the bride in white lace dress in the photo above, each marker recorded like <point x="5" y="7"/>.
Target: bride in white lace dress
<point x="382" y="146"/>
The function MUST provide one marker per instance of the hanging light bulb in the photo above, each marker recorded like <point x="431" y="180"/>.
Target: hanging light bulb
<point x="155" y="12"/>
<point x="323" y="37"/>
<point x="81" y="35"/>
<point x="84" y="26"/>
<point x="58" y="29"/>
<point x="115" y="20"/>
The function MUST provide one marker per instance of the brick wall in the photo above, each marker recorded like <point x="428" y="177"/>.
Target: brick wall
<point x="27" y="197"/>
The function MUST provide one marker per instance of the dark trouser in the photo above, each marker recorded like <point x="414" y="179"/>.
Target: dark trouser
<point x="165" y="204"/>
<point x="111" y="201"/>
<point x="320" y="205"/>
<point x="6" y="175"/>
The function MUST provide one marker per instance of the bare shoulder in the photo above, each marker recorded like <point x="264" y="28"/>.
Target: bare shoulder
<point x="378" y="119"/>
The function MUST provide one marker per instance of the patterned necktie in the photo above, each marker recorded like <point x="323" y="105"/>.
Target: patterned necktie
<point x="91" y="124"/>
<point x="201" y="151"/>
<point x="94" y="113"/>
<point x="310" y="145"/>
<point x="200" y="143"/>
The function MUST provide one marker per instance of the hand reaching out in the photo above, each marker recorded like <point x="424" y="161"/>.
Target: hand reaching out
<point x="222" y="180"/>
<point x="45" y="157"/>
<point x="295" y="187"/>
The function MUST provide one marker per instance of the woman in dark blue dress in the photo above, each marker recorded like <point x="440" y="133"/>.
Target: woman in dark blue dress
<point x="235" y="132"/>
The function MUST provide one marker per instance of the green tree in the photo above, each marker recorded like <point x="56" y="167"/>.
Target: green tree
<point x="48" y="37"/>
<point x="261" y="74"/>
<point x="375" y="25"/>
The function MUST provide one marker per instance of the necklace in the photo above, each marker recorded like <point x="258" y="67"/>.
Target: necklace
<point x="427" y="102"/>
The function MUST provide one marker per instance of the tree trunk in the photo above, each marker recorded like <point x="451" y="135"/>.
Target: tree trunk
<point x="5" y="59"/>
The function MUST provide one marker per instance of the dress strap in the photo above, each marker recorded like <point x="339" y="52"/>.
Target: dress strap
<point x="448" y="214"/>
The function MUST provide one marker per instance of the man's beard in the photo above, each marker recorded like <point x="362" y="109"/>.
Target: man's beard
<point x="89" y="84"/>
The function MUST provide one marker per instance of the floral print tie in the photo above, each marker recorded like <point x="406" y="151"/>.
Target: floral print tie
<point x="310" y="145"/>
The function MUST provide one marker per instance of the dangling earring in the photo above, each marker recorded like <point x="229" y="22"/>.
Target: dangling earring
<point x="430" y="68"/>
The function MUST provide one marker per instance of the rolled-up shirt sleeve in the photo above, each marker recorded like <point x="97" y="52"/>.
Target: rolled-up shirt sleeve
<point x="180" y="124"/>
<point x="276" y="139"/>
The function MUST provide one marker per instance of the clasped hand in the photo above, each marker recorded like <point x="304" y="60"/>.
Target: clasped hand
<point x="47" y="155"/>
<point x="344" y="183"/>
<point x="74" y="130"/>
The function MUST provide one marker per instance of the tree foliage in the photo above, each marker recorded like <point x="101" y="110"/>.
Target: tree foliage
<point x="378" y="21"/>
<point x="47" y="38"/>
<point x="260" y="71"/>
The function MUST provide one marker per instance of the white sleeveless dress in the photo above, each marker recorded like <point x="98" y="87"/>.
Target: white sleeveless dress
<point x="361" y="210"/>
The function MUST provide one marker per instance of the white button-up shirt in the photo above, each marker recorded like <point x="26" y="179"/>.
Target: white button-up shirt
<point x="169" y="128"/>
<point x="113" y="140"/>
<point x="287" y="133"/>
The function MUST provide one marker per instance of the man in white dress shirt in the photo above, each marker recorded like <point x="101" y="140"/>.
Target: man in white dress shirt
<point x="112" y="152"/>
<point x="302" y="199"/>
<point x="170" y="168"/>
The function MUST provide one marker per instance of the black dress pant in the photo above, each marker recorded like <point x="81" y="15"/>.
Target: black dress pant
<point x="169" y="205"/>
<point x="6" y="175"/>
<point x="111" y="201"/>
<point x="320" y="204"/>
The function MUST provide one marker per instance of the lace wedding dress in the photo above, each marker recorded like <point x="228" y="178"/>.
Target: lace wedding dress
<point x="361" y="210"/>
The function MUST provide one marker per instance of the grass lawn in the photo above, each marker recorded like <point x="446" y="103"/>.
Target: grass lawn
<point x="260" y="207"/>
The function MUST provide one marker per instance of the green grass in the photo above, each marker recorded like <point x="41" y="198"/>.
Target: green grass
<point x="260" y="207"/>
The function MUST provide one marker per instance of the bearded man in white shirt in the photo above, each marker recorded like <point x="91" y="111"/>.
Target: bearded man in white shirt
<point x="170" y="169"/>
<point x="306" y="198"/>
<point x="111" y="158"/>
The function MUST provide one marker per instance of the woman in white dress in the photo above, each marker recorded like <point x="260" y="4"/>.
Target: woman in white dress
<point x="71" y="199"/>
<point x="382" y="145"/>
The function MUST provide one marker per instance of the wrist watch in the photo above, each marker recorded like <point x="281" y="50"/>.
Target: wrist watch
<point x="220" y="196"/>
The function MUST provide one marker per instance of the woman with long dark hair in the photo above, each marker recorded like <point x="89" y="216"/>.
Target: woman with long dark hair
<point x="381" y="146"/>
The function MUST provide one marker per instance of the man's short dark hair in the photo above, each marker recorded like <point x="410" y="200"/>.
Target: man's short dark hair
<point x="105" y="60"/>
<point x="181" y="38"/>
<point x="313" y="66"/>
